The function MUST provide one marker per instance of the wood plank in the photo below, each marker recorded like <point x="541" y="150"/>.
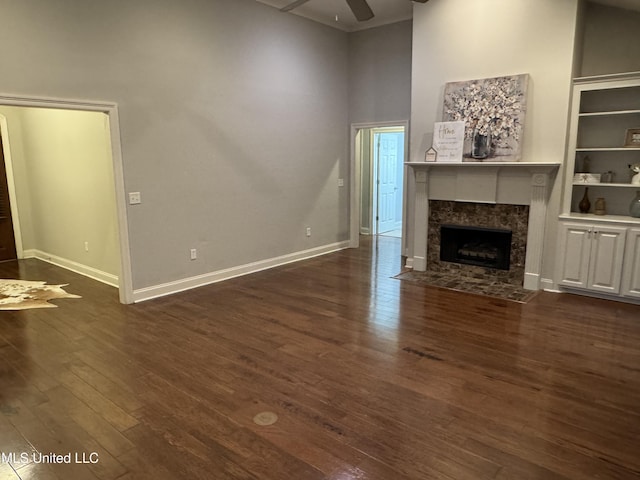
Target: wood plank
<point x="371" y="378"/>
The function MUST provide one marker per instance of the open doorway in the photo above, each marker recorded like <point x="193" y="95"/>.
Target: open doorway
<point x="63" y="158"/>
<point x="378" y="157"/>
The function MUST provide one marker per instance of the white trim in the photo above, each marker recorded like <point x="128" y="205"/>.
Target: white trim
<point x="602" y="296"/>
<point x="548" y="285"/>
<point x="607" y="77"/>
<point x="170" y="288"/>
<point x="8" y="162"/>
<point x="76" y="267"/>
<point x="545" y="166"/>
<point x="531" y="281"/>
<point x="51" y="102"/>
<point x="125" y="282"/>
<point x="354" y="189"/>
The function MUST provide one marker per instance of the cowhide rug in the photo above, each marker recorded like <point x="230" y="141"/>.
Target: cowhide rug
<point x="22" y="294"/>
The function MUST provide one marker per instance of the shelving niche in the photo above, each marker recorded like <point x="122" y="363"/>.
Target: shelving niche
<point x="602" y="111"/>
<point x="601" y="253"/>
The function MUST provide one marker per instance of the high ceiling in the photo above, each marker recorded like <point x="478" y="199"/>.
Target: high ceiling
<point x="326" y="11"/>
<point x="337" y="14"/>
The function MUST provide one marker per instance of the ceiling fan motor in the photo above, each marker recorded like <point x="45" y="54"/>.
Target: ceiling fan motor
<point x="360" y="8"/>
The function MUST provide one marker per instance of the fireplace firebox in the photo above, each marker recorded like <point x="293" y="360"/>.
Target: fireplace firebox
<point x="484" y="247"/>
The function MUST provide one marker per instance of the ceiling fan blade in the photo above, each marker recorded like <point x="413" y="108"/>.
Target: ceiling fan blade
<point x="421" y="1"/>
<point x="360" y="9"/>
<point x="293" y="5"/>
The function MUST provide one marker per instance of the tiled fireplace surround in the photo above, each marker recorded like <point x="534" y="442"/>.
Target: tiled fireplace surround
<point x="508" y="217"/>
<point x="510" y="195"/>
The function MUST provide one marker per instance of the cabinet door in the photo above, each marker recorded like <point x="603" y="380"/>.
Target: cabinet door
<point x="631" y="268"/>
<point x="607" y="252"/>
<point x="574" y="250"/>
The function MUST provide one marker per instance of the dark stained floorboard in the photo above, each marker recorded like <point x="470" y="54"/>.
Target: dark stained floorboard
<point x="371" y="378"/>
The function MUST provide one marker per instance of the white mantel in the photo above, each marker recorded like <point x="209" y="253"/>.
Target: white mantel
<point x="516" y="183"/>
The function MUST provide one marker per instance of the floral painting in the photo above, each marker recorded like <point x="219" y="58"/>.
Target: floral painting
<point x="494" y="111"/>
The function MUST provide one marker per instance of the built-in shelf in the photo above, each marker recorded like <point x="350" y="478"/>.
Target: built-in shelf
<point x="602" y="114"/>
<point x="626" y="219"/>
<point x="617" y="185"/>
<point x="597" y="254"/>
<point x="608" y="77"/>
<point x="603" y="109"/>
<point x="609" y="149"/>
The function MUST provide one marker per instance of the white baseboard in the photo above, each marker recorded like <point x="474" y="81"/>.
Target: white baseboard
<point x="548" y="285"/>
<point x="85" y="270"/>
<point x="418" y="263"/>
<point x="531" y="281"/>
<point x="602" y="296"/>
<point x="169" y="288"/>
<point x="409" y="262"/>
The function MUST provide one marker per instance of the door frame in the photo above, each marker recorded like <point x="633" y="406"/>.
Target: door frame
<point x="356" y="178"/>
<point x="6" y="153"/>
<point x="125" y="283"/>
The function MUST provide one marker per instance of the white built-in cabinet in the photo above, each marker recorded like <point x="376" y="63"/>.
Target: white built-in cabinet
<point x="601" y="253"/>
<point x="592" y="256"/>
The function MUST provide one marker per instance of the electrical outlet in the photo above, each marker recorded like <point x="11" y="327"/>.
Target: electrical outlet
<point x="135" y="198"/>
<point x="341" y="182"/>
<point x="308" y="231"/>
<point x="86" y="246"/>
<point x="194" y="254"/>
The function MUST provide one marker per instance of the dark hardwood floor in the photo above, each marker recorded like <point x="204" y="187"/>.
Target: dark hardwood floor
<point x="370" y="378"/>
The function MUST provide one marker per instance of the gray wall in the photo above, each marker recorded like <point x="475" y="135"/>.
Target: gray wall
<point x="233" y="120"/>
<point x="380" y="73"/>
<point x="611" y="39"/>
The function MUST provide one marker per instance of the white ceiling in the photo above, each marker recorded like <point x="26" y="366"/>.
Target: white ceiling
<point x="325" y="11"/>
<point x="386" y="11"/>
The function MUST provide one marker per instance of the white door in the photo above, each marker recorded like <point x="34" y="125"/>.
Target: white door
<point x="631" y="268"/>
<point x="575" y="246"/>
<point x="607" y="250"/>
<point x="389" y="158"/>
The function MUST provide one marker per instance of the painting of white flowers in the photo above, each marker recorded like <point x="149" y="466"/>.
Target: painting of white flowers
<point x="493" y="110"/>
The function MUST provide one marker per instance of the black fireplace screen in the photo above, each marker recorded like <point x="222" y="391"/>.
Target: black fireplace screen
<point x="485" y="247"/>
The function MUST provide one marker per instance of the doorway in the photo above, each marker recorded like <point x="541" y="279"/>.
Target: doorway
<point x="110" y="124"/>
<point x="378" y="153"/>
<point x="8" y="249"/>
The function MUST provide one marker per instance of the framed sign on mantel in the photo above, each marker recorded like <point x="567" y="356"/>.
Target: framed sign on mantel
<point x="448" y="141"/>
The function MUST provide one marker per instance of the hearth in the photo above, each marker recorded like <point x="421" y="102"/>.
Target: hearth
<point x="472" y="245"/>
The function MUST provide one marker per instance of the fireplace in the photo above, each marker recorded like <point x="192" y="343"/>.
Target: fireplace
<point x="471" y="245"/>
<point x="474" y="231"/>
<point x="509" y="195"/>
